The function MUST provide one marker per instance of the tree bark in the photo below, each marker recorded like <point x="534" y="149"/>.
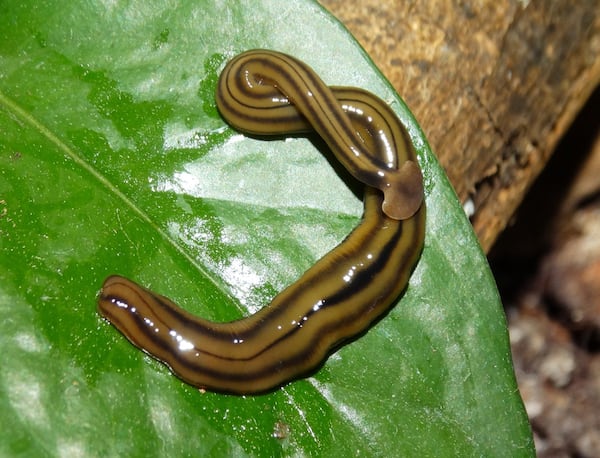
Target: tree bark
<point x="494" y="84"/>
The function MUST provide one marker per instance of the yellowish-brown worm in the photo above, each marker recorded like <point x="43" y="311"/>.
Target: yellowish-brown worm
<point x="256" y="83"/>
<point x="265" y="92"/>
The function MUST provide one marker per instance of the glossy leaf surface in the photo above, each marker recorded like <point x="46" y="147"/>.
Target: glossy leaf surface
<point x="113" y="159"/>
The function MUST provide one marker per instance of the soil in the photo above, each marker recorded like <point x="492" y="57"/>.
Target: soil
<point x="547" y="266"/>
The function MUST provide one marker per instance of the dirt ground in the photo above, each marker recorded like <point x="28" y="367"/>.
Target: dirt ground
<point x="547" y="266"/>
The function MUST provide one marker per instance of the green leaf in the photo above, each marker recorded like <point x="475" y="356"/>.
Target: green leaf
<point x="113" y="159"/>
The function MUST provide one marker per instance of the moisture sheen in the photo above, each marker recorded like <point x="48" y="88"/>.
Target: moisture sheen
<point x="269" y="93"/>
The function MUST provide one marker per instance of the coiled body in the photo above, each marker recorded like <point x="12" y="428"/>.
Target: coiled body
<point x="264" y="92"/>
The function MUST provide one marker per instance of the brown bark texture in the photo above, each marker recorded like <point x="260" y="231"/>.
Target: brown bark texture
<point x="494" y="84"/>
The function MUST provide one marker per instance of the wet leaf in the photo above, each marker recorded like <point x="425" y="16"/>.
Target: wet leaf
<point x="113" y="159"/>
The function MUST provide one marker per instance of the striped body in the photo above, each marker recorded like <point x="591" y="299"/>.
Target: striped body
<point x="256" y="84"/>
<point x="336" y="299"/>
